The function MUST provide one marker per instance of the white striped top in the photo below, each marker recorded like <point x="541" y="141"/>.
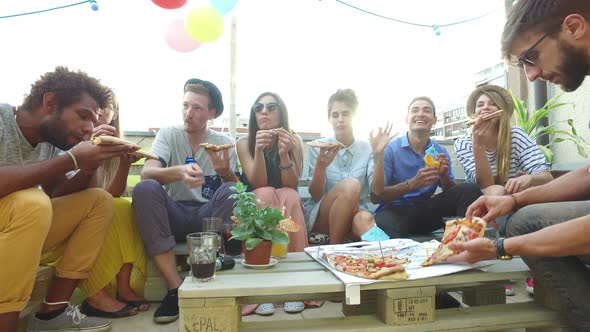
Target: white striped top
<point x="526" y="156"/>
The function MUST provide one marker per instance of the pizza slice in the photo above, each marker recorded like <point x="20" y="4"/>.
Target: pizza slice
<point x="321" y="144"/>
<point x="388" y="268"/>
<point x="458" y="230"/>
<point x="110" y="140"/>
<point x="217" y="147"/>
<point x="493" y="115"/>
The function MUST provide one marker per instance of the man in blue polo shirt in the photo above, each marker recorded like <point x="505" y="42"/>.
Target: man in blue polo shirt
<point x="404" y="185"/>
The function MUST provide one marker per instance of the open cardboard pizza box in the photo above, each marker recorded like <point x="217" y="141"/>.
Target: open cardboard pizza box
<point x="414" y="252"/>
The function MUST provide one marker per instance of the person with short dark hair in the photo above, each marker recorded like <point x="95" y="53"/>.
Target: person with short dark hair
<point x="187" y="184"/>
<point x="41" y="209"/>
<point x="405" y="186"/>
<point x="550" y="39"/>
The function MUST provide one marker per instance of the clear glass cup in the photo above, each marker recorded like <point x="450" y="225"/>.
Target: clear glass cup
<point x="202" y="248"/>
<point x="215" y="225"/>
<point x="233" y="248"/>
<point x="279" y="250"/>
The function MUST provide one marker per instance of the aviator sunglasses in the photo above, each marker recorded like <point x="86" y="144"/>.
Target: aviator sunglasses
<point x="270" y="107"/>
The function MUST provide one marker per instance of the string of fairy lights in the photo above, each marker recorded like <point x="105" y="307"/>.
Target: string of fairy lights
<point x="436" y="27"/>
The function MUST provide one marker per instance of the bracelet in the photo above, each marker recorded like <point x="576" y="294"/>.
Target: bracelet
<point x="500" y="251"/>
<point x="74" y="160"/>
<point x="286" y="167"/>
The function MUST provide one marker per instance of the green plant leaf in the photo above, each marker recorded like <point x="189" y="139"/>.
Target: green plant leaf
<point x="279" y="237"/>
<point x="547" y="153"/>
<point x="252" y="242"/>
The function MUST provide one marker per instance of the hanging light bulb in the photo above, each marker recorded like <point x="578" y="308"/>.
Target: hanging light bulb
<point x="436" y="29"/>
<point x="93" y="5"/>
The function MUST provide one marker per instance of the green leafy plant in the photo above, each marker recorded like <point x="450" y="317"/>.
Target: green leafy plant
<point x="528" y="122"/>
<point x="255" y="223"/>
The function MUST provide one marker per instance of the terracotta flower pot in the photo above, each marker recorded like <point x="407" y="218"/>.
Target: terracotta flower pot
<point x="260" y="255"/>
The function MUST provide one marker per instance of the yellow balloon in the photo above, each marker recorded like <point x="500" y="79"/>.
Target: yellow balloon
<point x="204" y="24"/>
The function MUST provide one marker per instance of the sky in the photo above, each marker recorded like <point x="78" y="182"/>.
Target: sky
<point x="302" y="49"/>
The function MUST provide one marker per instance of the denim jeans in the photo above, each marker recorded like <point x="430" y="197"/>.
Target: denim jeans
<point x="566" y="280"/>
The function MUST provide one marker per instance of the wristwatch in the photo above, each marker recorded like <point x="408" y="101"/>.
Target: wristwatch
<point x="500" y="251"/>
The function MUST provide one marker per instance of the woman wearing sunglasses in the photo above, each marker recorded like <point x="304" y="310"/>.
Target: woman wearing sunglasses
<point x="271" y="157"/>
<point x="339" y="177"/>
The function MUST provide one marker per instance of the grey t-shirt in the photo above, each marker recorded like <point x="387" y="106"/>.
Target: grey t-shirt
<point x="171" y="144"/>
<point x="14" y="148"/>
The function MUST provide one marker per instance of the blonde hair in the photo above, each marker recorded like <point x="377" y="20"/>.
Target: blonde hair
<point x="107" y="170"/>
<point x="504" y="146"/>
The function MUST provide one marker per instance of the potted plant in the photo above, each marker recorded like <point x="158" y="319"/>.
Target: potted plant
<point x="259" y="225"/>
<point x="528" y="122"/>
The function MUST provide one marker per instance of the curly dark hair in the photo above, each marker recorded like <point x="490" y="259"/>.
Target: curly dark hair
<point x="542" y="16"/>
<point x="68" y="86"/>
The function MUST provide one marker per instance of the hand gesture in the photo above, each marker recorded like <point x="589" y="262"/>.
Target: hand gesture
<point x="518" y="184"/>
<point x="443" y="169"/>
<point x="381" y="138"/>
<point x="286" y="141"/>
<point x="473" y="251"/>
<point x="221" y="163"/>
<point x="104" y="130"/>
<point x="193" y="175"/>
<point x="490" y="207"/>
<point x="425" y="177"/>
<point x="326" y="156"/>
<point x="263" y="139"/>
<point x="90" y="157"/>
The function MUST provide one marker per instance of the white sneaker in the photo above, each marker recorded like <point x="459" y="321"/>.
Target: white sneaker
<point x="265" y="309"/>
<point x="69" y="320"/>
<point x="293" y="307"/>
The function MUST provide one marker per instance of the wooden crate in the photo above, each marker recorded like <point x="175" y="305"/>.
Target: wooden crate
<point x="407" y="306"/>
<point x="210" y="314"/>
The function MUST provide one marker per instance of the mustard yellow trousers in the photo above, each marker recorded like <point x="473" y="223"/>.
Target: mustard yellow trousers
<point x="31" y="223"/>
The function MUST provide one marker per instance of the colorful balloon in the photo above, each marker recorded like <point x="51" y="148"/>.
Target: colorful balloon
<point x="178" y="39"/>
<point x="204" y="24"/>
<point x="223" y="6"/>
<point x="169" y="4"/>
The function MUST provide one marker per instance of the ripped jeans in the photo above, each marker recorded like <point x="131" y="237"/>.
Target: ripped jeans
<point x="565" y="279"/>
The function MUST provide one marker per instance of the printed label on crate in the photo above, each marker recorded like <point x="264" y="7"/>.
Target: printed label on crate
<point x="209" y="320"/>
<point x="413" y="309"/>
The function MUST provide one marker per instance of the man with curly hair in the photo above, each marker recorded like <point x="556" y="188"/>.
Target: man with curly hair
<point x="40" y="209"/>
<point x="550" y="40"/>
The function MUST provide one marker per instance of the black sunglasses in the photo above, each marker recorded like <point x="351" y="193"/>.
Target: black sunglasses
<point x="270" y="107"/>
<point x="523" y="59"/>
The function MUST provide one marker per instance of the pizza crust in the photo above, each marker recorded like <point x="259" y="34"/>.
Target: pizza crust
<point x="321" y="144"/>
<point x="217" y="147"/>
<point x="339" y="262"/>
<point x="110" y="140"/>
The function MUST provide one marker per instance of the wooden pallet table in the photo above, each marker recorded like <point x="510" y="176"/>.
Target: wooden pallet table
<point x="393" y="306"/>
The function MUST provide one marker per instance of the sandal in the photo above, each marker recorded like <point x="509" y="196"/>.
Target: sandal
<point x="318" y="238"/>
<point x="141" y="305"/>
<point x="126" y="311"/>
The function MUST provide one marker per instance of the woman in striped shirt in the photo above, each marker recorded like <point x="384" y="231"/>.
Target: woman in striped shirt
<point x="502" y="159"/>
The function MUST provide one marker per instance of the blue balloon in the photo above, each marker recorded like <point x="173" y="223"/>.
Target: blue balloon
<point x="223" y="6"/>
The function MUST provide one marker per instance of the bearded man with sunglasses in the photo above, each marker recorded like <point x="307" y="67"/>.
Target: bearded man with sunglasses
<point x="196" y="181"/>
<point x="551" y="40"/>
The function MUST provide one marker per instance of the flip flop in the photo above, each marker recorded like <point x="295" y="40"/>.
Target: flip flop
<point x="89" y="310"/>
<point x="141" y="305"/>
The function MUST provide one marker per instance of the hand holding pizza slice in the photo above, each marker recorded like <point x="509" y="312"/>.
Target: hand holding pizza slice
<point x="456" y="231"/>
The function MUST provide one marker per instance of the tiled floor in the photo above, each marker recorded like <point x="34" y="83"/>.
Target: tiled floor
<point x="143" y="321"/>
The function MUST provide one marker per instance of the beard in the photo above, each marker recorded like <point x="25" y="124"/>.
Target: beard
<point x="574" y="67"/>
<point x="55" y="133"/>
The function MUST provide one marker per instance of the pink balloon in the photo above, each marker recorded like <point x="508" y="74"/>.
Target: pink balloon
<point x="178" y="39"/>
<point x="169" y="4"/>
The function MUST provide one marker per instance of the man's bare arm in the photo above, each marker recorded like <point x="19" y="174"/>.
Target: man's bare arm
<point x="153" y="169"/>
<point x="15" y="178"/>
